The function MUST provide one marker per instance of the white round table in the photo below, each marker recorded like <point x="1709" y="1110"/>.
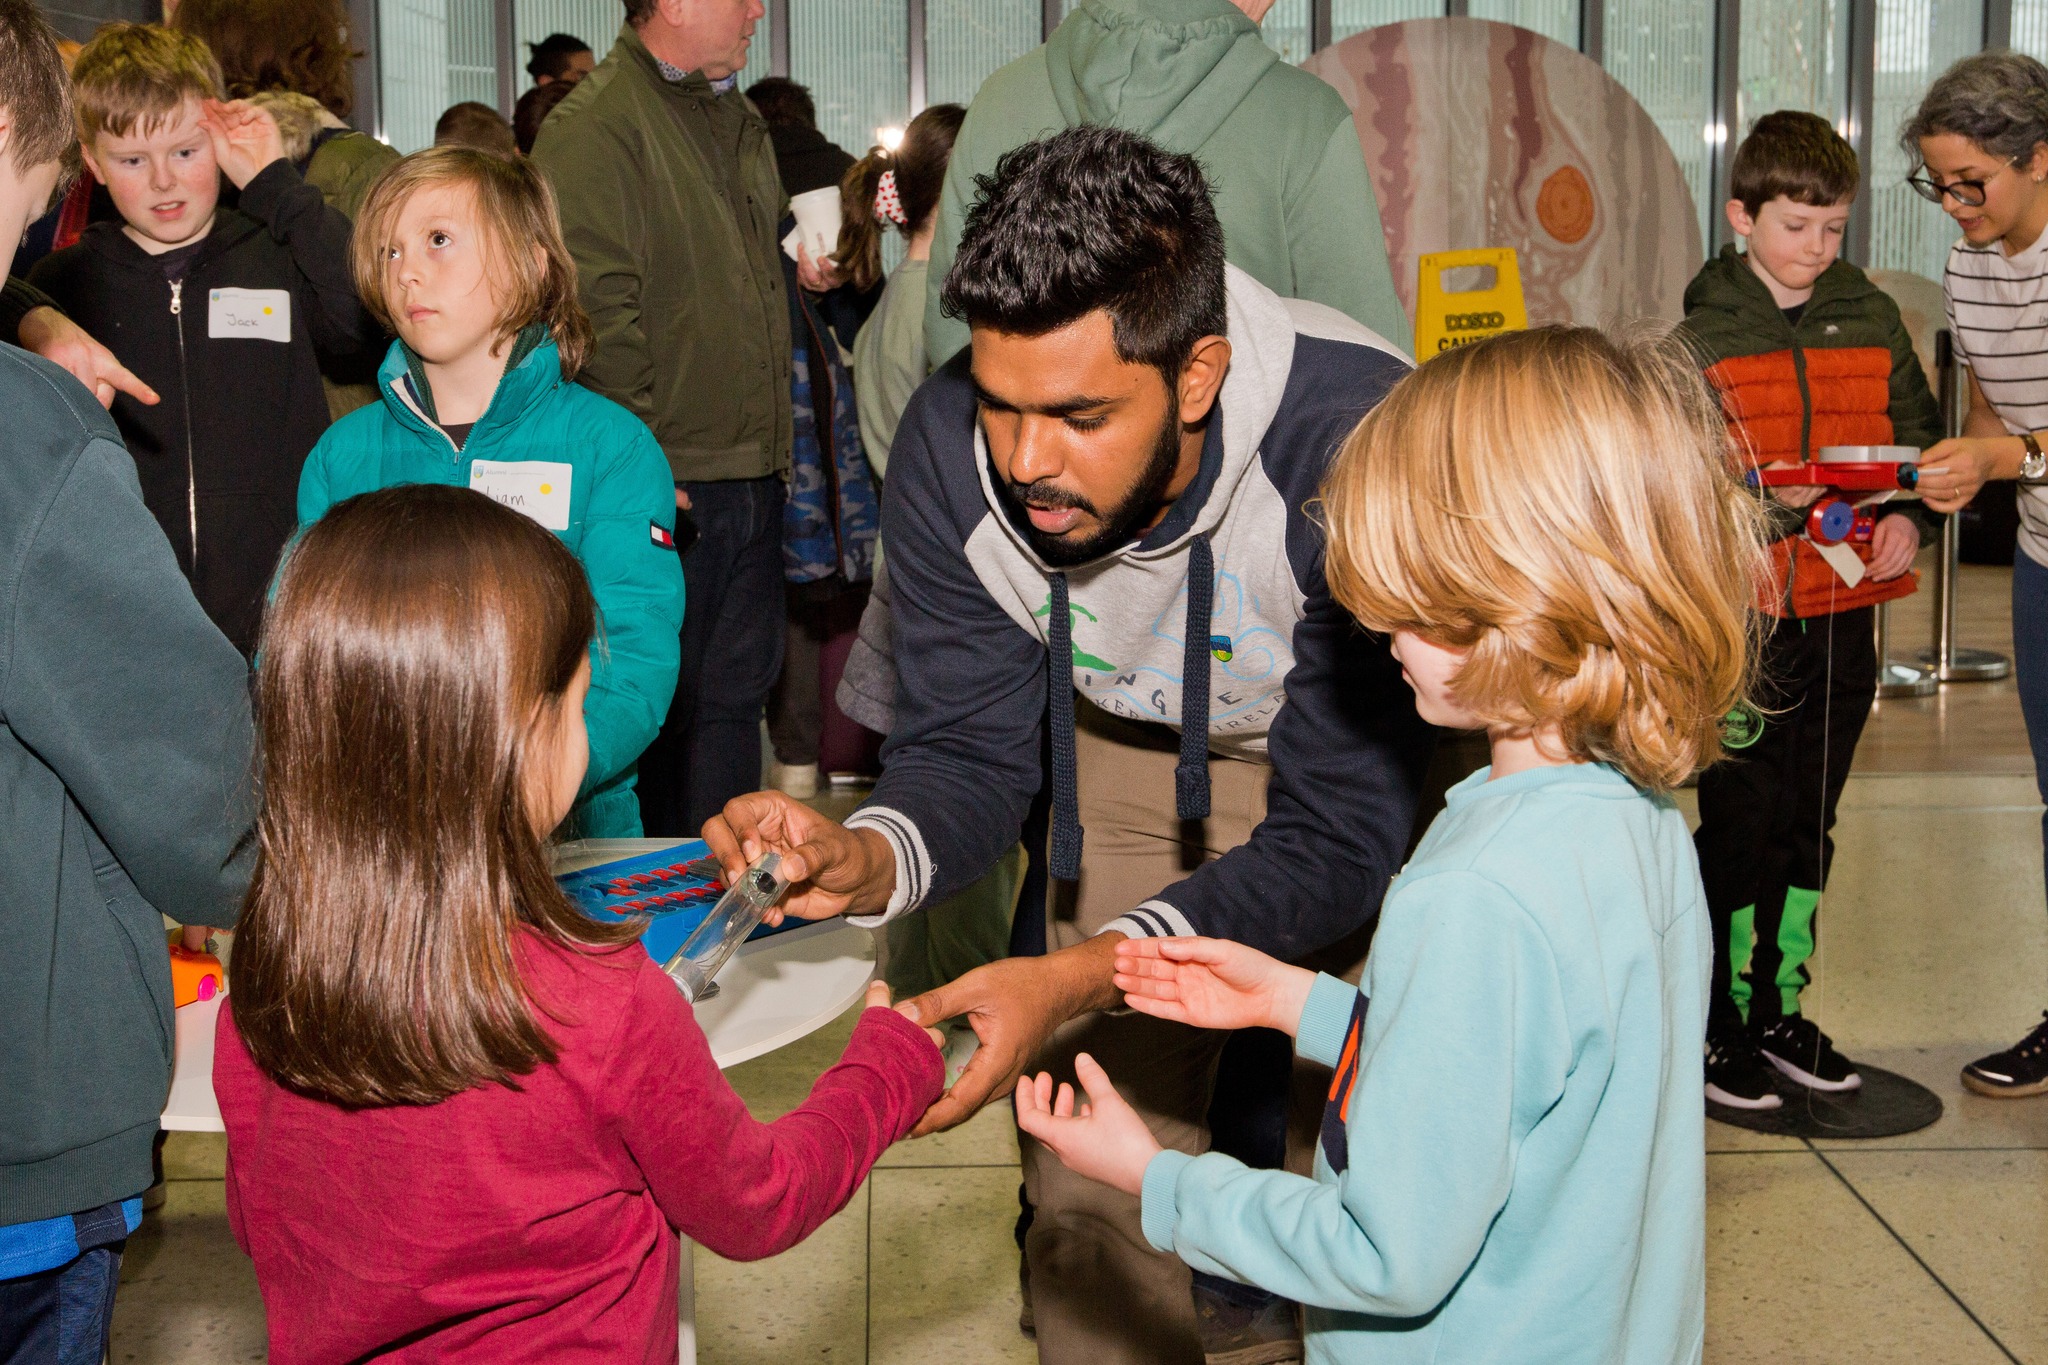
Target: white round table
<point x="773" y="992"/>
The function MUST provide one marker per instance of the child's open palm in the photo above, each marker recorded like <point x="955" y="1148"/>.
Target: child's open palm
<point x="1211" y="983"/>
<point x="1104" y="1139"/>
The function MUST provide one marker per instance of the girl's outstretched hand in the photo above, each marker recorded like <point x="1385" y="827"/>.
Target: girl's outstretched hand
<point x="1211" y="983"/>
<point x="1105" y="1140"/>
<point x="878" y="999"/>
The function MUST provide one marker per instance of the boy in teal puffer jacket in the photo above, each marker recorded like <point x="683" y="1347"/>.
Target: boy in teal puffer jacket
<point x="461" y="253"/>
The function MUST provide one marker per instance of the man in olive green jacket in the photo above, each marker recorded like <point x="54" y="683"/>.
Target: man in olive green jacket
<point x="1278" y="145"/>
<point x="670" y="203"/>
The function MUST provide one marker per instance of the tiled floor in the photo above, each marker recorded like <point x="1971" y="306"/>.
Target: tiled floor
<point x="1926" y="1248"/>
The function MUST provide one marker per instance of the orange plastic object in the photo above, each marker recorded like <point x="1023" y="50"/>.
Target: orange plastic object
<point x="195" y="976"/>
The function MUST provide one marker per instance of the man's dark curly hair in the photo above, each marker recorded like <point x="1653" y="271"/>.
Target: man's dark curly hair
<point x="1090" y="218"/>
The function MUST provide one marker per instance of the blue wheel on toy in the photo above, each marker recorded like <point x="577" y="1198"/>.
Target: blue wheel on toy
<point x="1832" y="522"/>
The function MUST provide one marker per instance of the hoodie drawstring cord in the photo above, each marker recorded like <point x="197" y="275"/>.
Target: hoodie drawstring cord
<point x="1191" y="776"/>
<point x="1059" y="681"/>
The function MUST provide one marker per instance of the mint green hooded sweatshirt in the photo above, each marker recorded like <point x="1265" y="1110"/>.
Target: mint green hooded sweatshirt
<point x="1276" y="143"/>
<point x="619" y="496"/>
<point x="1511" y="1167"/>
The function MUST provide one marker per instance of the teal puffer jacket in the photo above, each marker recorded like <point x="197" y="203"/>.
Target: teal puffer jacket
<point x="619" y="496"/>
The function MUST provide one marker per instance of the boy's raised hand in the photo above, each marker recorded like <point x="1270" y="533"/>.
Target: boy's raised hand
<point x="1105" y="1140"/>
<point x="1211" y="983"/>
<point x="245" y="138"/>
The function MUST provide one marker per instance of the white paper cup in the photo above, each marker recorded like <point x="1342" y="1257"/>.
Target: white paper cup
<point x="817" y="223"/>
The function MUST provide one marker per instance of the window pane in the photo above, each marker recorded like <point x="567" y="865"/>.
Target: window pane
<point x="1916" y="41"/>
<point x="966" y="40"/>
<point x="1351" y="16"/>
<point x="855" y="57"/>
<point x="2030" y="28"/>
<point x="596" y="22"/>
<point x="1663" y="54"/>
<point x="433" y="53"/>
<point x="1556" y="19"/>
<point x="1286" y="30"/>
<point x="1794" y="56"/>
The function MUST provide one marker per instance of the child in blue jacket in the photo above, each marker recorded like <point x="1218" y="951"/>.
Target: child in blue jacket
<point x="461" y="253"/>
<point x="1511" y="1163"/>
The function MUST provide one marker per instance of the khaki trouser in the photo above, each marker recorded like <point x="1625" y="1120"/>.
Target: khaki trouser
<point x="1099" y="1294"/>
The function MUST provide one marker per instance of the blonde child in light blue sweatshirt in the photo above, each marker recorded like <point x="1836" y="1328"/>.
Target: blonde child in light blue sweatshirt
<point x="1511" y="1162"/>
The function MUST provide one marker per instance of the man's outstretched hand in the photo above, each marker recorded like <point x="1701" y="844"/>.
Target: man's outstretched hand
<point x="832" y="870"/>
<point x="61" y="341"/>
<point x="1013" y="1006"/>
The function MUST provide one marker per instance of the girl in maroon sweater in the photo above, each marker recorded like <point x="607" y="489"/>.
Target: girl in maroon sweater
<point x="465" y="1121"/>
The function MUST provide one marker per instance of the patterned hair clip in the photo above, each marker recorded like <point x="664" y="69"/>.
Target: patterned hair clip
<point x="889" y="204"/>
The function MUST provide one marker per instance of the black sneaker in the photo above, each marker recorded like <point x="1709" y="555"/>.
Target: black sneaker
<point x="1796" y="1046"/>
<point x="2020" y="1070"/>
<point x="1737" y="1075"/>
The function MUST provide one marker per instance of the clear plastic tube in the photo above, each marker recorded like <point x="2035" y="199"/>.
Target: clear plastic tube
<point x="739" y="912"/>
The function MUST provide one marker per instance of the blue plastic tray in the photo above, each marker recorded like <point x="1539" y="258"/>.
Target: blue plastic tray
<point x="670" y="922"/>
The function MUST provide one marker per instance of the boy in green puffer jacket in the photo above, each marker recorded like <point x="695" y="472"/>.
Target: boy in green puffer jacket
<point x="460" y="252"/>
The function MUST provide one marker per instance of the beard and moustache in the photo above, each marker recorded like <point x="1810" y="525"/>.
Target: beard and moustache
<point x="1122" y="523"/>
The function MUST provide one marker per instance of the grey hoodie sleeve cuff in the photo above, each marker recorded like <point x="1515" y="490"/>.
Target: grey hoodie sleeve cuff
<point x="913" y="862"/>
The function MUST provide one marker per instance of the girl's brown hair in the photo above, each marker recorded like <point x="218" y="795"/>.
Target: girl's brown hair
<point x="1563" y="506"/>
<point x="516" y="207"/>
<point x="296" y="45"/>
<point x="920" y="165"/>
<point x="416" y="640"/>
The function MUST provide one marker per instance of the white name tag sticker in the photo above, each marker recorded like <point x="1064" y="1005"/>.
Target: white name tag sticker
<point x="539" y="488"/>
<point x="258" y="314"/>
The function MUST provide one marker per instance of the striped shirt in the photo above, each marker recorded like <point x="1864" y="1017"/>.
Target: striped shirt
<point x="1998" y="314"/>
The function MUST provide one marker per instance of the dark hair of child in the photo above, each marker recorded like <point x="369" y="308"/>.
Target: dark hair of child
<point x="551" y="55"/>
<point x="416" y="639"/>
<point x="919" y="162"/>
<point x="1797" y="155"/>
<point x="532" y="111"/>
<point x="474" y="124"/>
<point x="783" y="101"/>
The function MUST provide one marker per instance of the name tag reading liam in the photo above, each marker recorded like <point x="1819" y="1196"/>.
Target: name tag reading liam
<point x="258" y="314"/>
<point x="539" y="488"/>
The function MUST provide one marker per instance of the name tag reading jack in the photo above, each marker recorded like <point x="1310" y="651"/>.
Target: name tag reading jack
<point x="258" y="314"/>
<point x="539" y="488"/>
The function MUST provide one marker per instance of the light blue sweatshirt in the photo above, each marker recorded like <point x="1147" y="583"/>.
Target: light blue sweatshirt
<point x="1513" y="1165"/>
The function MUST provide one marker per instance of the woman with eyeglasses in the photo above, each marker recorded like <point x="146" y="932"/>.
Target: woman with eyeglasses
<point x="1981" y="135"/>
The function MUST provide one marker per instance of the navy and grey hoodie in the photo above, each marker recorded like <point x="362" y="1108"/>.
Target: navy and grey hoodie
<point x="1283" y="673"/>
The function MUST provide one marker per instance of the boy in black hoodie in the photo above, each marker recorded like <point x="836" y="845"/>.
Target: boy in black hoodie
<point x="223" y="311"/>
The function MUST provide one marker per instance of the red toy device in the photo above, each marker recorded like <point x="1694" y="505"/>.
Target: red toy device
<point x="1834" y="518"/>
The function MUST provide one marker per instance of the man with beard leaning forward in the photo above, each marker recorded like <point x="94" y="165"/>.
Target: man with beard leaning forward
<point x="1114" y="478"/>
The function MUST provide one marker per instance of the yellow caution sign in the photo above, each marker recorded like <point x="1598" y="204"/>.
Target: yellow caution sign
<point x="1444" y="318"/>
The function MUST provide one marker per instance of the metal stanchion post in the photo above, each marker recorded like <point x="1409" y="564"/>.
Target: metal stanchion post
<point x="1952" y="662"/>
<point x="1895" y="679"/>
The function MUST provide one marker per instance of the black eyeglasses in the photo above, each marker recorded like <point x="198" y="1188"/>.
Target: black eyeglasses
<point x="1968" y="193"/>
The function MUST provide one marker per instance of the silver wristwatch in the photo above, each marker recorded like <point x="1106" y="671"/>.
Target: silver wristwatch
<point x="2034" y="464"/>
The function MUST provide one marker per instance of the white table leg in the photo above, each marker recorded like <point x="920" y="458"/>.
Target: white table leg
<point x="686" y="1307"/>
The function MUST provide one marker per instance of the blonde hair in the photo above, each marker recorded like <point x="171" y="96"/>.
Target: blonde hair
<point x="1561" y="506"/>
<point x="133" y="75"/>
<point x="515" y="206"/>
